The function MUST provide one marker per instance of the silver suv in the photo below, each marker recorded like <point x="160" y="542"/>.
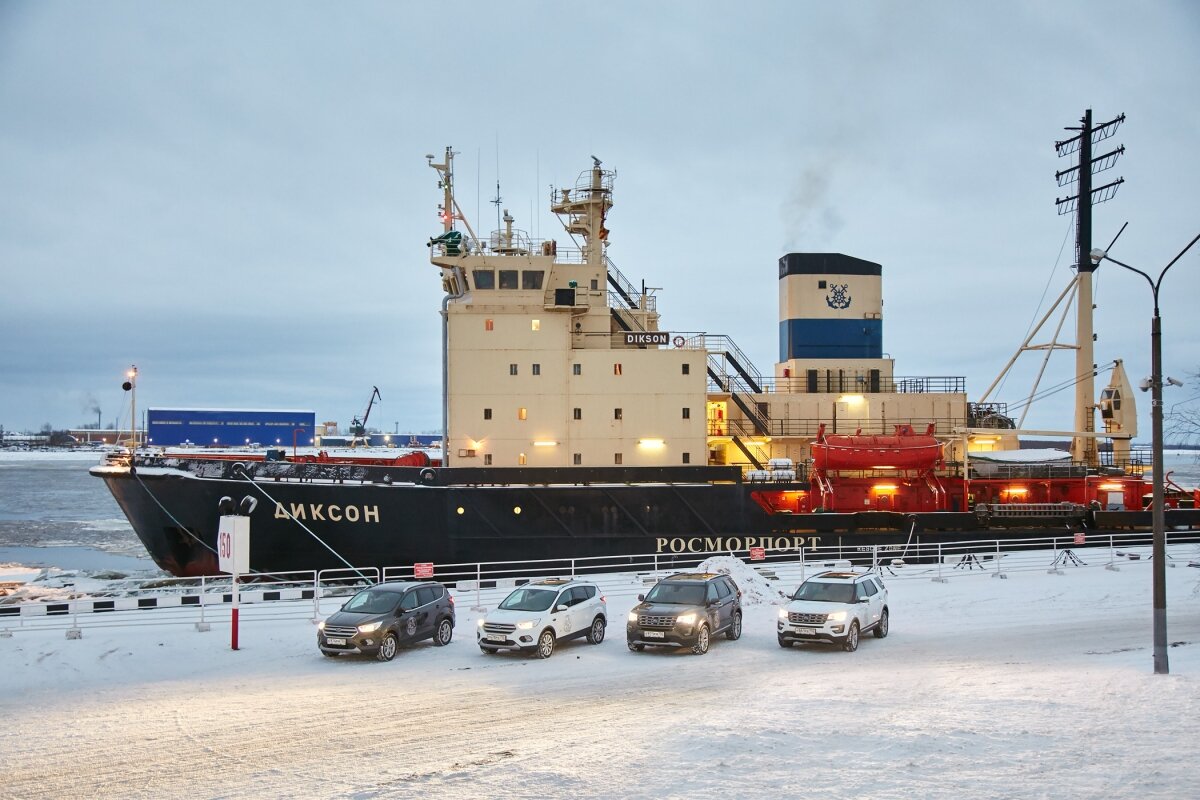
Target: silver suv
<point x="536" y="616"/>
<point x="835" y="607"/>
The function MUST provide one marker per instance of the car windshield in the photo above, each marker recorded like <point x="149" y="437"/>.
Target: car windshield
<point x="529" y="600"/>
<point x="688" y="594"/>
<point x="372" y="601"/>
<point x="825" y="592"/>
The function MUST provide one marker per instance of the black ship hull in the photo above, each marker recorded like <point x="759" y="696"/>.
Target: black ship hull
<point x="331" y="516"/>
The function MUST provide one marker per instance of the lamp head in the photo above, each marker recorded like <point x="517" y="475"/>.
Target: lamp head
<point x="1174" y="381"/>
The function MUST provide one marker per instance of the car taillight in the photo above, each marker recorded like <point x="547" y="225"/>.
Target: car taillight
<point x="451" y="598"/>
<point x="603" y="599"/>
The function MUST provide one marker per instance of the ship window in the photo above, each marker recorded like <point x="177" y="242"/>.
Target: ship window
<point x="616" y="369"/>
<point x="616" y="458"/>
<point x="578" y="458"/>
<point x="508" y="279"/>
<point x="487" y="413"/>
<point x="532" y="279"/>
<point x="820" y="284"/>
<point x="512" y="369"/>
<point x="485" y="279"/>
<point x="522" y="413"/>
<point x="535" y="325"/>
<point x="595" y="285"/>
<point x="577" y="369"/>
<point x="616" y="413"/>
<point x="687" y="413"/>
<point x="687" y="369"/>
<point x="537" y="369"/>
<point x="579" y="413"/>
<point x="487" y="459"/>
<point x="521" y="459"/>
<point x="687" y="458"/>
<point x="488" y="325"/>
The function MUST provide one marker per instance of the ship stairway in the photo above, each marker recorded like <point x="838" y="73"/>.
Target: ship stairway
<point x="625" y="320"/>
<point x="824" y="488"/>
<point x="746" y="450"/>
<point x="750" y="409"/>
<point x="621" y="285"/>
<point x="723" y="353"/>
<point x="938" y="490"/>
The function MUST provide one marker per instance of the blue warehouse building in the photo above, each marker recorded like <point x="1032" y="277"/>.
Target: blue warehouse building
<point x="220" y="427"/>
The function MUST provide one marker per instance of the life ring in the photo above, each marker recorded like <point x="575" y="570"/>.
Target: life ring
<point x="677" y="341"/>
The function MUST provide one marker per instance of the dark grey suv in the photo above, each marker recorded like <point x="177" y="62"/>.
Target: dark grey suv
<point x="686" y="610"/>
<point x="377" y="620"/>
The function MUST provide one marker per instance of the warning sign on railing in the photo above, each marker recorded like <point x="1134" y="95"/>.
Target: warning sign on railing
<point x="758" y="554"/>
<point x="1080" y="538"/>
<point x="423" y="570"/>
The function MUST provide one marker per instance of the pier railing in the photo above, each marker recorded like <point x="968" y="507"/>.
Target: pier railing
<point x="781" y="562"/>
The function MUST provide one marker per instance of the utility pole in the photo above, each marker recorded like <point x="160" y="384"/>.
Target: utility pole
<point x="1083" y="448"/>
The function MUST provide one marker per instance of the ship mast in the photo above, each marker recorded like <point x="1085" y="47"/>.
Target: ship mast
<point x="1083" y="448"/>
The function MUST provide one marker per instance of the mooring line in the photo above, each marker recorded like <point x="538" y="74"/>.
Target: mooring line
<point x="246" y="476"/>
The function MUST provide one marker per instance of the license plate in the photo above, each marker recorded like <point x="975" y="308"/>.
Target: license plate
<point x="654" y="635"/>
<point x="496" y="637"/>
<point x="807" y="631"/>
<point x="331" y="640"/>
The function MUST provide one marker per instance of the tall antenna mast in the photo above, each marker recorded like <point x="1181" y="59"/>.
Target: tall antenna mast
<point x="1083" y="448"/>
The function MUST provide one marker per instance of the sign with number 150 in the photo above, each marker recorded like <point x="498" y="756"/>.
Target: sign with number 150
<point x="233" y="545"/>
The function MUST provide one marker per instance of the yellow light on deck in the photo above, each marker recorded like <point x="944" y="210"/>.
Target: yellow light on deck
<point x="884" y="487"/>
<point x="1111" y="487"/>
<point x="852" y="399"/>
<point x="461" y="510"/>
<point x="1017" y="490"/>
<point x="650" y="442"/>
<point x="545" y="443"/>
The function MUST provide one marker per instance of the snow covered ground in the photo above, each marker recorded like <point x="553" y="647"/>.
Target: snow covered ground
<point x="1036" y="686"/>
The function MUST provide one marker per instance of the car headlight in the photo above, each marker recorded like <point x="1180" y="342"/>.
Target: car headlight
<point x="369" y="627"/>
<point x="321" y="625"/>
<point x="480" y="623"/>
<point x="526" y="625"/>
<point x="837" y="616"/>
<point x="783" y="612"/>
<point x="685" y="619"/>
<point x="633" y="615"/>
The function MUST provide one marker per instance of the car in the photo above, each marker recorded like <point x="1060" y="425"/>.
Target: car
<point x="536" y="616"/>
<point x="835" y="607"/>
<point x="686" y="610"/>
<point x="377" y="620"/>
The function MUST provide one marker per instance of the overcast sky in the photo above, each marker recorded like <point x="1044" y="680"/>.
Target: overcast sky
<point x="234" y="196"/>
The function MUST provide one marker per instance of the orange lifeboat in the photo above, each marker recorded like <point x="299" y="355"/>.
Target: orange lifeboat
<point x="904" y="450"/>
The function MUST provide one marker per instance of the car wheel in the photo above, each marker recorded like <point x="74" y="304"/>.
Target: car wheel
<point x="387" y="648"/>
<point x="444" y="633"/>
<point x="881" y="630"/>
<point x="545" y="645"/>
<point x="702" y="641"/>
<point x="636" y="647"/>
<point x="596" y="634"/>
<point x="735" y="628"/>
<point x="784" y="642"/>
<point x="850" y="643"/>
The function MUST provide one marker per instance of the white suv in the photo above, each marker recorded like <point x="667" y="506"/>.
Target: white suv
<point x="835" y="607"/>
<point x="534" y="617"/>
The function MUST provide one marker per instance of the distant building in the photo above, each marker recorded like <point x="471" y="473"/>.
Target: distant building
<point x="219" y="427"/>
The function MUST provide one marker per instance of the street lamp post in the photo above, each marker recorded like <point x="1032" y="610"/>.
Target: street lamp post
<point x="1158" y="515"/>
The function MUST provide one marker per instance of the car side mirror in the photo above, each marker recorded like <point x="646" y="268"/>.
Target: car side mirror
<point x="561" y="607"/>
<point x="641" y="598"/>
<point x="864" y="599"/>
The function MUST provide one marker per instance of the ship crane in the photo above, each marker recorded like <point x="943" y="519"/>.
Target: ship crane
<point x="358" y="429"/>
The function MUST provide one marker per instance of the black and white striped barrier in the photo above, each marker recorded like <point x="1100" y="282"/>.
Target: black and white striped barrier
<point x="98" y="606"/>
